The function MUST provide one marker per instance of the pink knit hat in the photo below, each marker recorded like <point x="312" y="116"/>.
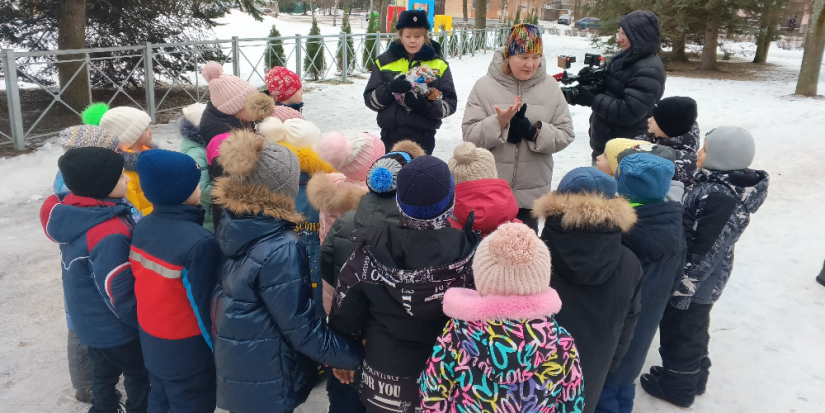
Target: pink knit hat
<point x="512" y="261"/>
<point x="352" y="156"/>
<point x="285" y="113"/>
<point x="228" y="93"/>
<point x="213" y="150"/>
<point x="282" y="83"/>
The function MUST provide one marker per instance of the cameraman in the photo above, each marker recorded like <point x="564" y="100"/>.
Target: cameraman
<point x="634" y="82"/>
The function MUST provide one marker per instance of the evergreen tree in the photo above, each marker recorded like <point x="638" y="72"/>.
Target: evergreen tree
<point x="314" y="62"/>
<point x="370" y="51"/>
<point x="274" y="53"/>
<point x="517" y="20"/>
<point x="345" y="28"/>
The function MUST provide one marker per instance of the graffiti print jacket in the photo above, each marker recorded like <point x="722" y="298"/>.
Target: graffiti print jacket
<point x="686" y="146"/>
<point x="717" y="211"/>
<point x="503" y="354"/>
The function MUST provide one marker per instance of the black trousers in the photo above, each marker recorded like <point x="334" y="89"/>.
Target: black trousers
<point x="109" y="364"/>
<point x="424" y="139"/>
<point x="525" y="215"/>
<point x="684" y="338"/>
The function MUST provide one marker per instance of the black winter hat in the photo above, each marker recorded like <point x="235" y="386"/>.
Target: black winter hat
<point x="425" y="188"/>
<point x="91" y="172"/>
<point x="413" y="19"/>
<point x="675" y="115"/>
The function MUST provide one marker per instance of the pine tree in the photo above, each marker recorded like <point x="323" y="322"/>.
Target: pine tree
<point x="517" y="20"/>
<point x="274" y="53"/>
<point x="370" y="52"/>
<point x="314" y="62"/>
<point x="345" y="28"/>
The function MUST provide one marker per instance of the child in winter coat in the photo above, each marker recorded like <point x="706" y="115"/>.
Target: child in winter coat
<point x="512" y="308"/>
<point x="403" y="113"/>
<point x="80" y="365"/>
<point x="336" y="193"/>
<point x="597" y="278"/>
<point x="194" y="145"/>
<point x="618" y="149"/>
<point x="717" y="211"/>
<point x="93" y="227"/>
<point x="658" y="242"/>
<point x="268" y="336"/>
<point x="478" y="190"/>
<point x="131" y="127"/>
<point x="673" y="124"/>
<point x="285" y="87"/>
<point x="375" y="209"/>
<point x="226" y="109"/>
<point x="391" y="288"/>
<point x="175" y="262"/>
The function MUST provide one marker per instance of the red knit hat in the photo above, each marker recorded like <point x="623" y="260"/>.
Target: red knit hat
<point x="282" y="83"/>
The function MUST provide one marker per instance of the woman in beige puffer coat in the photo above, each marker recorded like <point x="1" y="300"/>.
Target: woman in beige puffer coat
<point x="522" y="141"/>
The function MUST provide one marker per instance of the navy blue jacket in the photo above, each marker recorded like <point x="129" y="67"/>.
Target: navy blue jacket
<point x="175" y="261"/>
<point x="268" y="332"/>
<point x="94" y="237"/>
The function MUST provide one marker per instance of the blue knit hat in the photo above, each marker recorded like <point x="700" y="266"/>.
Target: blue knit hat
<point x="644" y="178"/>
<point x="587" y="180"/>
<point x="167" y="177"/>
<point x="382" y="177"/>
<point x="425" y="188"/>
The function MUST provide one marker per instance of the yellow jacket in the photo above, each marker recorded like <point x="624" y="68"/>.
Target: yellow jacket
<point x="134" y="193"/>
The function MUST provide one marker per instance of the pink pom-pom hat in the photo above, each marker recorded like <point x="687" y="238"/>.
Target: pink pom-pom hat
<point x="352" y="156"/>
<point x="228" y="93"/>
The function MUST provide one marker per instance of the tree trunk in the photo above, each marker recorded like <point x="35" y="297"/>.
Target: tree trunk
<point x="334" y="13"/>
<point x="679" y="54"/>
<point x="814" y="49"/>
<point x="464" y="5"/>
<point x="503" y="16"/>
<point x="767" y="31"/>
<point x="481" y="14"/>
<point x="382" y="16"/>
<point x="577" y="9"/>
<point x="711" y="37"/>
<point x="71" y="34"/>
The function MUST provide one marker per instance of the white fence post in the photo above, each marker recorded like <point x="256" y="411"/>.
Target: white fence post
<point x="13" y="97"/>
<point x="149" y="80"/>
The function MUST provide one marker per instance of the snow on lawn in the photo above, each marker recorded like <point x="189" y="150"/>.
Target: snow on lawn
<point x="767" y="329"/>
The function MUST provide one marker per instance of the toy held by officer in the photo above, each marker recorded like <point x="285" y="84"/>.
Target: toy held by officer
<point x="419" y="77"/>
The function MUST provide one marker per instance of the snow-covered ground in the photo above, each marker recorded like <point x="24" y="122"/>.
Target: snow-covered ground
<point x="768" y="329"/>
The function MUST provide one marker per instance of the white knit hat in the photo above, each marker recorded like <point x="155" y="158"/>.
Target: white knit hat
<point x="126" y="123"/>
<point x="296" y="132"/>
<point x="194" y="112"/>
<point x="512" y="261"/>
<point x="471" y="164"/>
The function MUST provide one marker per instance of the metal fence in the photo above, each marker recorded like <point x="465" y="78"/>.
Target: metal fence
<point x="151" y="64"/>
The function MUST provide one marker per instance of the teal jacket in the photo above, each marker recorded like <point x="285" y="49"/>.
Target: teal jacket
<point x="192" y="145"/>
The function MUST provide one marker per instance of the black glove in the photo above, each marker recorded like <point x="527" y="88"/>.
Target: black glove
<point x="415" y="103"/>
<point x="583" y="97"/>
<point x="400" y="85"/>
<point x="585" y="70"/>
<point x="520" y="127"/>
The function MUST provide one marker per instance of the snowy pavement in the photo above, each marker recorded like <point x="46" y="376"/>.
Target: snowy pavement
<point x="768" y="328"/>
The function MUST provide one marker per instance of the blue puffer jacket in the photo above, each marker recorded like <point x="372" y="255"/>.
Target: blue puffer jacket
<point x="267" y="332"/>
<point x="94" y="237"/>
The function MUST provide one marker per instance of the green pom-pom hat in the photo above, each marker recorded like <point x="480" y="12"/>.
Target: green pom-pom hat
<point x="92" y="114"/>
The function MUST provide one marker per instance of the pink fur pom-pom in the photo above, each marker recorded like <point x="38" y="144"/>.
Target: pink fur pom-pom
<point x="513" y="244"/>
<point x="335" y="149"/>
<point x="211" y="71"/>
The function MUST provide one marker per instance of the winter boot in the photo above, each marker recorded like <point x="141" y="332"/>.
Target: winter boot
<point x="83" y="395"/>
<point x="821" y="277"/>
<point x="701" y="386"/>
<point x="652" y="385"/>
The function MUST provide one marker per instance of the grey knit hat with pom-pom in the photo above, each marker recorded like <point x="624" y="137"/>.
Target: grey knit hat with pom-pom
<point x="245" y="156"/>
<point x="471" y="164"/>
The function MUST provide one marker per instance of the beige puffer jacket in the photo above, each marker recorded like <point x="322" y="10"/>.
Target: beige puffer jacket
<point x="527" y="166"/>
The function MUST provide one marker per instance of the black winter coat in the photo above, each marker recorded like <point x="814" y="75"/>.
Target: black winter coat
<point x="398" y="305"/>
<point x="634" y="82"/>
<point x="597" y="278"/>
<point x="717" y="211"/>
<point x="267" y="333"/>
<point x="395" y="121"/>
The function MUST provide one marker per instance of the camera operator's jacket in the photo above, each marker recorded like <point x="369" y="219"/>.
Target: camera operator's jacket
<point x="634" y="82"/>
<point x="528" y="165"/>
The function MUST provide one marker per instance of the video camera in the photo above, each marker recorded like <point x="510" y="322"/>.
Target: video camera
<point x="590" y="77"/>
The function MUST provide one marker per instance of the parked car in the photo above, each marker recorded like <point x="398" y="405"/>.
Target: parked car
<point x="565" y="19"/>
<point x="587" y="22"/>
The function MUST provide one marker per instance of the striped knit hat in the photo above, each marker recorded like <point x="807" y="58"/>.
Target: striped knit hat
<point x="84" y="136"/>
<point x="228" y="93"/>
<point x="382" y="178"/>
<point x="523" y="38"/>
<point x="353" y="156"/>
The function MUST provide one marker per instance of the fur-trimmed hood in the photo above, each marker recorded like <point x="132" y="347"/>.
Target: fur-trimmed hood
<point x="130" y="158"/>
<point x="190" y="131"/>
<point x="586" y="211"/>
<point x="246" y="198"/>
<point x="411" y="148"/>
<point x="333" y="193"/>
